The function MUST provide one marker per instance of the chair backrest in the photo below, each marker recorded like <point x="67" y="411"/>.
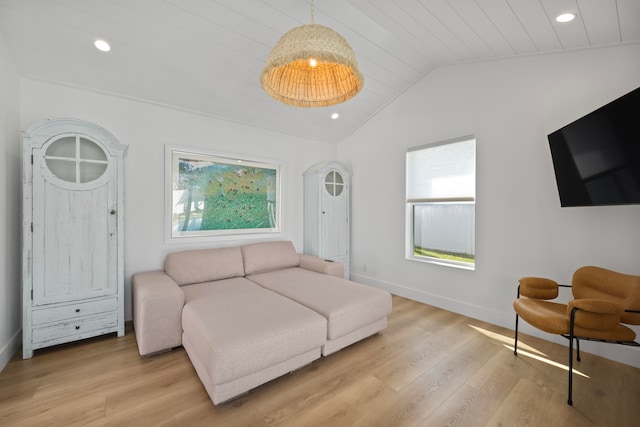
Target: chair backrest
<point x="600" y="283"/>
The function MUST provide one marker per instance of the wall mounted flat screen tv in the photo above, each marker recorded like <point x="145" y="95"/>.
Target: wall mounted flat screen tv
<point x="597" y="158"/>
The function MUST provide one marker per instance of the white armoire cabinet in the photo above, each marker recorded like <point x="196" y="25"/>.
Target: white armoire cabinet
<point x="73" y="276"/>
<point x="326" y="212"/>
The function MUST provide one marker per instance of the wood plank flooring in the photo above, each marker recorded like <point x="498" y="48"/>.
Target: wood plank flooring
<point x="430" y="367"/>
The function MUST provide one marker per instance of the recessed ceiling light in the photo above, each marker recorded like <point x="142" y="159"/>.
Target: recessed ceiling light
<point x="565" y="17"/>
<point x="335" y="116"/>
<point x="102" y="45"/>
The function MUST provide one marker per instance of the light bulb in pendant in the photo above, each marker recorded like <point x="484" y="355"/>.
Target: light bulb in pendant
<point x="312" y="62"/>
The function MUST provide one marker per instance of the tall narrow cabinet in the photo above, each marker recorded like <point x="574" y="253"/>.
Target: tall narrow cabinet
<point x="326" y="212"/>
<point x="73" y="275"/>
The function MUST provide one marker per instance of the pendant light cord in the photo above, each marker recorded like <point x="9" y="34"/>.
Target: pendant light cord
<point x="312" y="13"/>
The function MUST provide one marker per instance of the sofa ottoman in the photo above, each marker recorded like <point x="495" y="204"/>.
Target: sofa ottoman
<point x="239" y="335"/>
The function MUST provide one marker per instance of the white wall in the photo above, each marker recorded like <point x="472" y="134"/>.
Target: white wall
<point x="147" y="129"/>
<point x="511" y="106"/>
<point x="10" y="208"/>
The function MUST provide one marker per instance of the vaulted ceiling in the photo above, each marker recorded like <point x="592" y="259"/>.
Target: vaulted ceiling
<point x="206" y="56"/>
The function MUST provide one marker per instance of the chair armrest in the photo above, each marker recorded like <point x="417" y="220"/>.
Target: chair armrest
<point x="538" y="288"/>
<point x="157" y="311"/>
<point x="594" y="313"/>
<point x="314" y="263"/>
<point x="597" y="306"/>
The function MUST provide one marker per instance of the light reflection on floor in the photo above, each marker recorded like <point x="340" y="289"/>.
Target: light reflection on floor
<point x="529" y="352"/>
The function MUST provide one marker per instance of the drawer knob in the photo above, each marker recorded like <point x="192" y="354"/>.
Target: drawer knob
<point x="77" y="310"/>
<point x="77" y="327"/>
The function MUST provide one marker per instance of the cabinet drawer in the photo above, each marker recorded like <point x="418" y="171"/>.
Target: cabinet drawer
<point x="72" y="311"/>
<point x="82" y="326"/>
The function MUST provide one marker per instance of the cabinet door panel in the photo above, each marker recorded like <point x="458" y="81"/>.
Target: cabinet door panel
<point x="334" y="227"/>
<point x="74" y="238"/>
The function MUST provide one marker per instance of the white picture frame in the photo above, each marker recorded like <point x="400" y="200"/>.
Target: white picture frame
<point x="214" y="196"/>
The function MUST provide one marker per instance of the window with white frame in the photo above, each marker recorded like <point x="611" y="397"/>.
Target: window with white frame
<point x="441" y="201"/>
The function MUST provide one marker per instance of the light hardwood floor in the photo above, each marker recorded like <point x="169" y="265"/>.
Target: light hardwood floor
<point x="430" y="367"/>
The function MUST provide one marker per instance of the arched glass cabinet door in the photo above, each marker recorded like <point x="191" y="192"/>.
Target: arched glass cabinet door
<point x="75" y="159"/>
<point x="334" y="183"/>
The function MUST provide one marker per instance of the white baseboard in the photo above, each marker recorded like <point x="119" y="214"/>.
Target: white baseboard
<point x="7" y="352"/>
<point x="619" y="353"/>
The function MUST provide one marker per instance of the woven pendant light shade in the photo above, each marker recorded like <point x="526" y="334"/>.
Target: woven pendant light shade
<point x="290" y="77"/>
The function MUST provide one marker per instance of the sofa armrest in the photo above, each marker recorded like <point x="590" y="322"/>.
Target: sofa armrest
<point x="314" y="263"/>
<point x="157" y="311"/>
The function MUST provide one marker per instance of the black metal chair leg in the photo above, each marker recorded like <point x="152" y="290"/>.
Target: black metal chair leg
<point x="570" y="401"/>
<point x="515" y="345"/>
<point x="578" y="349"/>
<point x="571" y="336"/>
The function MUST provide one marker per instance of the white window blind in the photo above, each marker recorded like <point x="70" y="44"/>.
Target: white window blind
<point x="442" y="172"/>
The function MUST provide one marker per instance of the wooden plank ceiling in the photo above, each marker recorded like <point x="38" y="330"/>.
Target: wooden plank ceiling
<point x="206" y="56"/>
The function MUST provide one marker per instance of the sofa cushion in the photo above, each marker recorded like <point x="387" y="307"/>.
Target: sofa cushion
<point x="219" y="288"/>
<point x="346" y="305"/>
<point x="239" y="334"/>
<point x="204" y="265"/>
<point x="268" y="256"/>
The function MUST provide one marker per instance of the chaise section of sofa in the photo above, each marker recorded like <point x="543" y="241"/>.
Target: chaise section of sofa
<point x="353" y="311"/>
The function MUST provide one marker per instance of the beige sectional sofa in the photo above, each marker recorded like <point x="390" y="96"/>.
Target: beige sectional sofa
<point x="246" y="315"/>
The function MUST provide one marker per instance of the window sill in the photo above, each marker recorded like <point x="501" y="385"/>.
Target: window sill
<point x="437" y="261"/>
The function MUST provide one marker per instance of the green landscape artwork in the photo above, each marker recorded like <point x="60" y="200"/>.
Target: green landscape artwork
<point x="217" y="194"/>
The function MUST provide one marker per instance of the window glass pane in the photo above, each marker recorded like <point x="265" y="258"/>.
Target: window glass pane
<point x="91" y="171"/>
<point x="63" y="169"/>
<point x="63" y="147"/>
<point x="445" y="231"/>
<point x="91" y="151"/>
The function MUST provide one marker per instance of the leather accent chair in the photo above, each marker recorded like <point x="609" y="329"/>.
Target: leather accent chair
<point x="604" y="301"/>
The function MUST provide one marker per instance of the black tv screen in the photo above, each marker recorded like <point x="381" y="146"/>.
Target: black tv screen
<point x="597" y="158"/>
